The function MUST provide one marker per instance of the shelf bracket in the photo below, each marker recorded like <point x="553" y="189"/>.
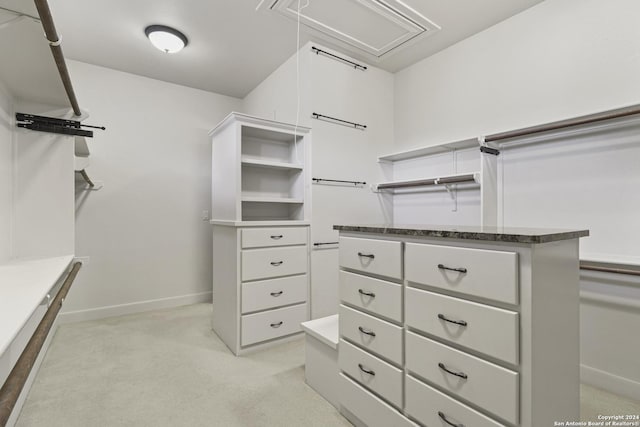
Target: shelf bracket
<point x="486" y="149"/>
<point x="453" y="193"/>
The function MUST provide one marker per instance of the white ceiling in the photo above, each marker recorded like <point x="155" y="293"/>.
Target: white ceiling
<point x="232" y="47"/>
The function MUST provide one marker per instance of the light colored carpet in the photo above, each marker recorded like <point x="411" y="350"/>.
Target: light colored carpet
<point x="167" y="368"/>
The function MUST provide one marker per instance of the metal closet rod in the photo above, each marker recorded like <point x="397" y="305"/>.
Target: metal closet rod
<point x="586" y="266"/>
<point x="346" y="61"/>
<point x="56" y="49"/>
<point x="16" y="380"/>
<point x="325" y="243"/>
<point x="430" y="181"/>
<point x="576" y="121"/>
<point x="322" y="116"/>
<point x="340" y="181"/>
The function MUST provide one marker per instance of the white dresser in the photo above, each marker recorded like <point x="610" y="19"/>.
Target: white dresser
<point x="465" y="327"/>
<point x="260" y="188"/>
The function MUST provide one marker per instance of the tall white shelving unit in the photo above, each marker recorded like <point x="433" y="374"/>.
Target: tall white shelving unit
<point x="260" y="216"/>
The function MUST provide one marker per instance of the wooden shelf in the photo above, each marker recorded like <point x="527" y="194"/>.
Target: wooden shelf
<point x="433" y="149"/>
<point x="255" y="199"/>
<point x="270" y="164"/>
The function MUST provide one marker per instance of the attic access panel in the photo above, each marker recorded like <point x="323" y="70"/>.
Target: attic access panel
<point x="374" y="27"/>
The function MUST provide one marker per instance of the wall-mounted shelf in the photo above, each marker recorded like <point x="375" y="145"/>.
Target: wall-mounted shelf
<point x="271" y="200"/>
<point x="430" y="150"/>
<point x="425" y="182"/>
<point x="270" y="164"/>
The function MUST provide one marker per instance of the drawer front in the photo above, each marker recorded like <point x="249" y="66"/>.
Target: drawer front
<point x="375" y="335"/>
<point x="273" y="262"/>
<point x="265" y="294"/>
<point x="381" y="257"/>
<point x="483" y="273"/>
<point x="489" y="330"/>
<point x="375" y="374"/>
<point x="282" y="236"/>
<point x="372" y="295"/>
<point x="369" y="409"/>
<point x="432" y="407"/>
<point x="272" y="324"/>
<point x="489" y="386"/>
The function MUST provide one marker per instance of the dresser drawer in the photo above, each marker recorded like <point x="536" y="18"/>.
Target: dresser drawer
<point x="375" y="335"/>
<point x="381" y="257"/>
<point x="479" y="272"/>
<point x="273" y="262"/>
<point x="489" y="386"/>
<point x="432" y="407"/>
<point x="265" y="294"/>
<point x="282" y="236"/>
<point x="272" y="324"/>
<point x="489" y="330"/>
<point x="375" y="374"/>
<point x="373" y="295"/>
<point x="369" y="409"/>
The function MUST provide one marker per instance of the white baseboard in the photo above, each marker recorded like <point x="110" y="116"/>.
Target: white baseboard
<point x="610" y="382"/>
<point x="131" y="308"/>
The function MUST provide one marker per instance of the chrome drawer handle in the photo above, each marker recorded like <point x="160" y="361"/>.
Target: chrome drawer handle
<point x="366" y="331"/>
<point x="277" y="294"/>
<point x="444" y="418"/>
<point x="459" y="270"/>
<point x="276" y="263"/>
<point x="276" y="325"/>
<point x="277" y="237"/>
<point x="367" y="294"/>
<point x="457" y="322"/>
<point x="366" y="371"/>
<point x="457" y="374"/>
<point x="372" y="256"/>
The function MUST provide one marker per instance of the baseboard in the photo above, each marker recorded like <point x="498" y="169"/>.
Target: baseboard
<point x="131" y="308"/>
<point x="610" y="382"/>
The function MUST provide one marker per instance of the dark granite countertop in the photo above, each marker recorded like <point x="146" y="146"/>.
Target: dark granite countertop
<point x="495" y="234"/>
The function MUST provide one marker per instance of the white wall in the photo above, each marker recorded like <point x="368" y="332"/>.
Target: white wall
<point x="6" y="175"/>
<point x="143" y="231"/>
<point x="331" y="88"/>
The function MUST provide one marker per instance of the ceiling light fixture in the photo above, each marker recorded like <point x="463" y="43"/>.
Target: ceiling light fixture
<point x="167" y="39"/>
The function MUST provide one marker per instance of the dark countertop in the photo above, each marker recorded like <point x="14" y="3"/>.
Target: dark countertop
<point x="494" y="234"/>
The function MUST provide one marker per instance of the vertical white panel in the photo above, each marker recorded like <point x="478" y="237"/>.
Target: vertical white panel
<point x="6" y="171"/>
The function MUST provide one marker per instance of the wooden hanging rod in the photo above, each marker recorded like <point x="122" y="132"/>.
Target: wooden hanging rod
<point x="56" y="49"/>
<point x="339" y="121"/>
<point x="10" y="391"/>
<point x="576" y="121"/>
<point x="338" y="58"/>
<point x="591" y="267"/>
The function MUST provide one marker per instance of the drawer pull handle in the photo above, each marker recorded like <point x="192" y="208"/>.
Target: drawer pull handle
<point x="372" y="256"/>
<point x="276" y="325"/>
<point x="277" y="237"/>
<point x="276" y="263"/>
<point x="457" y="322"/>
<point x="457" y="374"/>
<point x="367" y="294"/>
<point x="277" y="294"/>
<point x="366" y="371"/>
<point x="366" y="331"/>
<point x="459" y="270"/>
<point x="444" y="418"/>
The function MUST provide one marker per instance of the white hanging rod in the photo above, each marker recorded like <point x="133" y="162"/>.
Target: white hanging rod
<point x="424" y="182"/>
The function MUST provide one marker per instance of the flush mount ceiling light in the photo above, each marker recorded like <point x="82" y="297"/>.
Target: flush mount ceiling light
<point x="167" y="39"/>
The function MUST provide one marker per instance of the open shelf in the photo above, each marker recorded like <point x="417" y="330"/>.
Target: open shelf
<point x="430" y="150"/>
<point x="257" y="199"/>
<point x="270" y="164"/>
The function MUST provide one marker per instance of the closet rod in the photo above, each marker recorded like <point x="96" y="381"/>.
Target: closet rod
<point x="585" y="266"/>
<point x="56" y="49"/>
<point x="430" y="181"/>
<point x="576" y="121"/>
<point x="346" y="61"/>
<point x="325" y="243"/>
<point x="16" y="380"/>
<point x="84" y="175"/>
<point x="321" y="116"/>
<point x="340" y="181"/>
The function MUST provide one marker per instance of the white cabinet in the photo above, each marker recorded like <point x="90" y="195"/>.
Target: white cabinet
<point x="485" y="332"/>
<point x="260" y="186"/>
